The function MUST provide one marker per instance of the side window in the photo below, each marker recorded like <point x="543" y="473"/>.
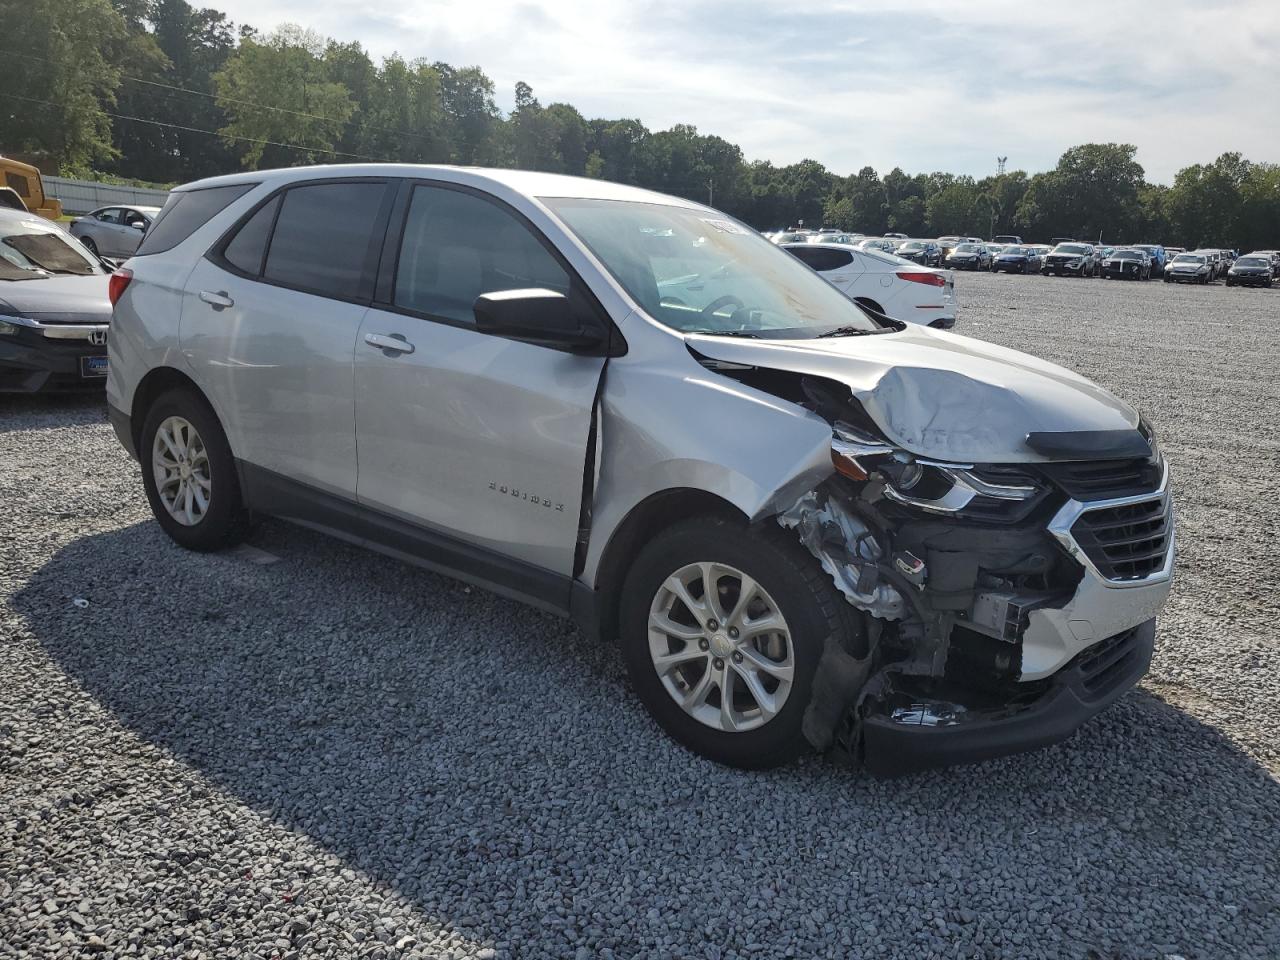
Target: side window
<point x="248" y="248"/>
<point x="457" y="246"/>
<point x="185" y="212"/>
<point x="18" y="183"/>
<point x="109" y="215"/>
<point x="822" y="259"/>
<point x="132" y="217"/>
<point x="324" y="241"/>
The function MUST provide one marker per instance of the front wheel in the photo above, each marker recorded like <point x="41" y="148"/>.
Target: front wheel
<point x="189" y="473"/>
<point x="722" y="629"/>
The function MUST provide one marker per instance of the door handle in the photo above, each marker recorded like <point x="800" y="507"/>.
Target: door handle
<point x="394" y="342"/>
<point x="218" y="300"/>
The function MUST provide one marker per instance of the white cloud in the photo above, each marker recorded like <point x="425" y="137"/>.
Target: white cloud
<point x="925" y="85"/>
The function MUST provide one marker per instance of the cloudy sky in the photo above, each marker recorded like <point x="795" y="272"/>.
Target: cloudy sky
<point x="925" y="85"/>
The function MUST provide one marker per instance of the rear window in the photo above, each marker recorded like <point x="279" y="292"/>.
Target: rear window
<point x="324" y="240"/>
<point x="186" y="212"/>
<point x="822" y="259"/>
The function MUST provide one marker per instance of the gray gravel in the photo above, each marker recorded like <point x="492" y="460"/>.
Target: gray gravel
<point x="335" y="755"/>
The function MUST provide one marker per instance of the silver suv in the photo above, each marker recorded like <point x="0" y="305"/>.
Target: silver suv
<point x="809" y="526"/>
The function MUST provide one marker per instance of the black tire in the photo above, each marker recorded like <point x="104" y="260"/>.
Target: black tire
<point x="92" y="247"/>
<point x="869" y="304"/>
<point x="804" y="594"/>
<point x="225" y="521"/>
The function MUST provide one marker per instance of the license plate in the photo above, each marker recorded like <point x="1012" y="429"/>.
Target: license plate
<point x="93" y="366"/>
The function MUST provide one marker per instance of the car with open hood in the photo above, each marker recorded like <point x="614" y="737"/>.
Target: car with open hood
<point x="808" y="525"/>
<point x="54" y="309"/>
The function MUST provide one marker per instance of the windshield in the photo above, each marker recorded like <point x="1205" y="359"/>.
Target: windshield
<point x="696" y="271"/>
<point x="1188" y="258"/>
<point x="1131" y="254"/>
<point x="912" y="246"/>
<point x="1070" y="248"/>
<point x="31" y="249"/>
<point x="1251" y="262"/>
<point x="1014" y="252"/>
<point x="967" y="248"/>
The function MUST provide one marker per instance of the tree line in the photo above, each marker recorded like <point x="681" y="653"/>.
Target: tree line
<point x="162" y="91"/>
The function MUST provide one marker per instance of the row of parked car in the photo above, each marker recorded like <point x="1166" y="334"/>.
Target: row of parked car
<point x="1066" y="257"/>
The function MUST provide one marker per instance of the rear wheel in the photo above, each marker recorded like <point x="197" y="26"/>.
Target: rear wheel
<point x="722" y="629"/>
<point x="189" y="473"/>
<point x="89" y="244"/>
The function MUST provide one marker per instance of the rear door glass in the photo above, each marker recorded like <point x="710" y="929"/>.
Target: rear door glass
<point x="822" y="259"/>
<point x="186" y="212"/>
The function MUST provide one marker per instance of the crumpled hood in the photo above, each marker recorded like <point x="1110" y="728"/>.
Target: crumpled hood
<point x="940" y="395"/>
<point x="58" y="298"/>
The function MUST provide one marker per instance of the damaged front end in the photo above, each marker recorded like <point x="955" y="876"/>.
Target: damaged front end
<point x="993" y="629"/>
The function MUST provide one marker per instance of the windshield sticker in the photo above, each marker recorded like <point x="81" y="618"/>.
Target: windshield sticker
<point x="724" y="226"/>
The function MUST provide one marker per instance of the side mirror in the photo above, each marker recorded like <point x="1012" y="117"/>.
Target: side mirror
<point x="139" y="226"/>
<point x="534" y="315"/>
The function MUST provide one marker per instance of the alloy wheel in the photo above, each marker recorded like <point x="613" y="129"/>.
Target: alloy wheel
<point x="180" y="464"/>
<point x="721" y="647"/>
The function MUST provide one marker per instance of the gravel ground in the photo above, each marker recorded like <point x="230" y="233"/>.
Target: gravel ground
<point x="314" y="751"/>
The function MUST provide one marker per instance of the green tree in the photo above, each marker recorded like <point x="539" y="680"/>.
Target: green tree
<point x="62" y="78"/>
<point x="277" y="89"/>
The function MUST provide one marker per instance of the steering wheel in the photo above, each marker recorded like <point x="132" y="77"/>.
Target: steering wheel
<point x="719" y="303"/>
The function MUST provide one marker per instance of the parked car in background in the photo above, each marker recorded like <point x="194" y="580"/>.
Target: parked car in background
<point x="1189" y="268"/>
<point x="995" y="249"/>
<point x="896" y="236"/>
<point x="54" y="308"/>
<point x="803" y="524"/>
<point x="1157" y="254"/>
<point x="1217" y="263"/>
<point x="968" y="256"/>
<point x="1071" y="260"/>
<point x="790" y="236"/>
<point x="1127" y="263"/>
<point x="884" y="283"/>
<point x="1171" y="252"/>
<point x="1016" y="258"/>
<point x="1273" y="256"/>
<point x="1251" y="270"/>
<point x="1043" y="249"/>
<point x="878" y="243"/>
<point x="836" y="237"/>
<point x="927" y="253"/>
<point x="114" y="232"/>
<point x="1007" y="239"/>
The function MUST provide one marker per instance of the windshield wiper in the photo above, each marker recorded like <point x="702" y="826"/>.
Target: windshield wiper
<point x="726" y="333"/>
<point x="847" y="332"/>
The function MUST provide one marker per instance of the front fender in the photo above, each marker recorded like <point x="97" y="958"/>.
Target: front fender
<point x="664" y="428"/>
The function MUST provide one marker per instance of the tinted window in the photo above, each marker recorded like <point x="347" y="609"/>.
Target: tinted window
<point x="821" y="259"/>
<point x="186" y="212"/>
<point x="324" y="238"/>
<point x="249" y="245"/>
<point x="109" y="215"/>
<point x="457" y="246"/>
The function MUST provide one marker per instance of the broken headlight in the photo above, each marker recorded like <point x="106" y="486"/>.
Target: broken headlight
<point x="930" y="485"/>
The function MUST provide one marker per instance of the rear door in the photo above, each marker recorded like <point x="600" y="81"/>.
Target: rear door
<point x="105" y="231"/>
<point x="269" y="325"/>
<point x="842" y="267"/>
<point x="477" y="438"/>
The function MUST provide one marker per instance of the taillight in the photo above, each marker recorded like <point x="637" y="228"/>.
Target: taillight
<point x="932" y="279"/>
<point x="119" y="280"/>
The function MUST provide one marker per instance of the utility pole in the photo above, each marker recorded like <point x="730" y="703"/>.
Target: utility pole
<point x="711" y="192"/>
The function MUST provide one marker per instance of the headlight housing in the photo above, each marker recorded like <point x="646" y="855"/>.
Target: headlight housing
<point x="946" y="489"/>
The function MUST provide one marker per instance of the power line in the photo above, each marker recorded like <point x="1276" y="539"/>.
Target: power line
<point x="214" y="133"/>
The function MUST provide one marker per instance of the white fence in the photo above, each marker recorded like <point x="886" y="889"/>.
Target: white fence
<point x="81" y="196"/>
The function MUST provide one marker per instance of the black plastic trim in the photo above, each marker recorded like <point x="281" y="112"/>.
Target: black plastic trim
<point x="1090" y="444"/>
<point x="122" y="425"/>
<point x="1098" y="677"/>
<point x="268" y="492"/>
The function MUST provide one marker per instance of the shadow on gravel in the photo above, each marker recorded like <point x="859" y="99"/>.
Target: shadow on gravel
<point x="491" y="764"/>
<point x="44" y="412"/>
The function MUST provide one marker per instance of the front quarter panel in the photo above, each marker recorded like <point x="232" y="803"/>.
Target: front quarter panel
<point x="667" y="423"/>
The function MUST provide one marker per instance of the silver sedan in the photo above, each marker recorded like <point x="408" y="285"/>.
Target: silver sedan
<point x="114" y="231"/>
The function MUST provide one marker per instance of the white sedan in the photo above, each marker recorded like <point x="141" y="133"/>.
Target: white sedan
<point x="885" y="283"/>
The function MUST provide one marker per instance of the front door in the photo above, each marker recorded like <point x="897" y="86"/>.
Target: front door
<point x="475" y="437"/>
